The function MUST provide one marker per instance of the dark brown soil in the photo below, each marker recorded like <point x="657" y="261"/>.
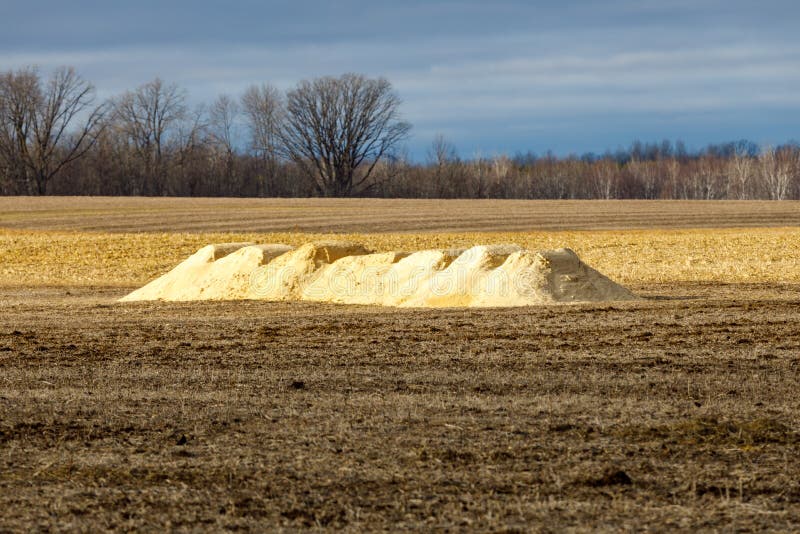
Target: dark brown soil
<point x="676" y="413"/>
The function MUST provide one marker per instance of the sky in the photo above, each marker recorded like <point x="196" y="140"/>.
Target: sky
<point x="492" y="77"/>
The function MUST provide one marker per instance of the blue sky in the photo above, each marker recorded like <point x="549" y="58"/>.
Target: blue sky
<point x="492" y="77"/>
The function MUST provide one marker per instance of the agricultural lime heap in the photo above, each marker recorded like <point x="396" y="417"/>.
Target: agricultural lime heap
<point x="348" y="273"/>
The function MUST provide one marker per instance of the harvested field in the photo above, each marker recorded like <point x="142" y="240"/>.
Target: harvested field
<point x="672" y="414"/>
<point x="675" y="412"/>
<point x="125" y="214"/>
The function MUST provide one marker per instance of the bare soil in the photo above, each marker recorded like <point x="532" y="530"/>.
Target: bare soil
<point x="131" y="214"/>
<point x="678" y="412"/>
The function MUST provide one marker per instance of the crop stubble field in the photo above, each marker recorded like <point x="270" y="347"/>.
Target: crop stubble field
<point x="678" y="411"/>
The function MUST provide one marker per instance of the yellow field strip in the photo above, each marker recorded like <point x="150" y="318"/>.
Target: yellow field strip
<point x="44" y="258"/>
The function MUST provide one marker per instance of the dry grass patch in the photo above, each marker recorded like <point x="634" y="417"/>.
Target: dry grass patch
<point x="713" y="432"/>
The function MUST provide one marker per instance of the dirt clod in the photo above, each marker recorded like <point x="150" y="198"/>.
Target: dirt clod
<point x="612" y="477"/>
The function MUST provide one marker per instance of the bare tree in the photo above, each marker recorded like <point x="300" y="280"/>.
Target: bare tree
<point x="445" y="168"/>
<point x="147" y="117"/>
<point x="19" y="96"/>
<point x="645" y="173"/>
<point x="222" y="117"/>
<point x="441" y="152"/>
<point x="740" y="172"/>
<point x="673" y="181"/>
<point x="338" y="129"/>
<point x="222" y="121"/>
<point x="477" y="177"/>
<point x="605" y="179"/>
<point x="43" y="128"/>
<point x="189" y="146"/>
<point x="262" y="106"/>
<point x="777" y="171"/>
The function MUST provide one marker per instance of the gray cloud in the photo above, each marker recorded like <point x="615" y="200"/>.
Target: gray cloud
<point x="498" y="76"/>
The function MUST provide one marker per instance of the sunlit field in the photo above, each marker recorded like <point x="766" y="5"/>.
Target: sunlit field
<point x="730" y="255"/>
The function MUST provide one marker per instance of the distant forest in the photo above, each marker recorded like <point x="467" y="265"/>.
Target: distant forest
<point x="332" y="136"/>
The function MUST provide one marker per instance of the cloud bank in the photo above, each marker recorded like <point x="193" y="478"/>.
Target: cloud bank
<point x="493" y="77"/>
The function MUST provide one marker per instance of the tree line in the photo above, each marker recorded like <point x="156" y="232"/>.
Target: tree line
<point x="330" y="136"/>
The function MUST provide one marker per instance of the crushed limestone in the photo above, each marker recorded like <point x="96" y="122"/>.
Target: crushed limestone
<point x="348" y="273"/>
